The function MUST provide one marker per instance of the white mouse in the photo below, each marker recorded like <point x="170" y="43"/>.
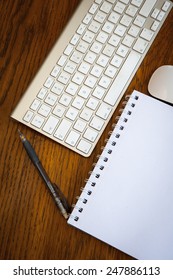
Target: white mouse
<point x="161" y="83"/>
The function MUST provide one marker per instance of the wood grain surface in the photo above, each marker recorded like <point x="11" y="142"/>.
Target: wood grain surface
<point x="30" y="225"/>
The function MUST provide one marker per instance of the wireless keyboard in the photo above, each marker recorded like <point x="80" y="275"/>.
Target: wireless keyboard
<point x="78" y="87"/>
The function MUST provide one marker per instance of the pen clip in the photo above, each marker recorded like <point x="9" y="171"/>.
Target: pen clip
<point x="62" y="198"/>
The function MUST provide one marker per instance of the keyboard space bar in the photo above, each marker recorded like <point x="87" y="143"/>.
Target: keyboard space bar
<point x="122" y="78"/>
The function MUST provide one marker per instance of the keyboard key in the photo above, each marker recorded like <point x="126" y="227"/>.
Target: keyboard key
<point x="50" y="125"/>
<point x="81" y="29"/>
<point x="111" y="71"/>
<point x="55" y="71"/>
<point x="78" y="102"/>
<point x="93" y="9"/>
<point x="102" y="60"/>
<point x="147" y="34"/>
<point x="102" y="37"/>
<point x="35" y="104"/>
<point x="126" y="20"/>
<point x="86" y="114"/>
<point x="108" y="27"/>
<point x="108" y="50"/>
<point x="59" y="111"/>
<point x="114" y="40"/>
<point x="116" y="61"/>
<point x="90" y="134"/>
<point x="105" y="82"/>
<point x="72" y="138"/>
<point x="49" y="82"/>
<point x="65" y="99"/>
<point x="78" y="78"/>
<point x="84" y="68"/>
<point x="90" y="81"/>
<point x="120" y="30"/>
<point x="72" y="113"/>
<point x="64" y="78"/>
<point x="80" y="125"/>
<point x="106" y="7"/>
<point x="114" y="17"/>
<point x="134" y="31"/>
<point x="103" y="111"/>
<point x="68" y="49"/>
<point x="51" y="99"/>
<point x="44" y="110"/>
<point x="37" y="121"/>
<point x="97" y="123"/>
<point x="57" y="88"/>
<point x="128" y="40"/>
<point x="155" y="25"/>
<point x="88" y="36"/>
<point x="63" y="129"/>
<point x="75" y="39"/>
<point x="131" y="10"/>
<point x="28" y="116"/>
<point x="160" y="16"/>
<point x="98" y="92"/>
<point x="90" y="57"/>
<point x="97" y="71"/>
<point x="155" y="13"/>
<point x="70" y="67"/>
<point x="122" y="50"/>
<point x="100" y="17"/>
<point x="147" y="7"/>
<point x="82" y="46"/>
<point x="84" y="92"/>
<point x="96" y="47"/>
<point x="42" y="93"/>
<point x="119" y="7"/>
<point x="62" y="60"/>
<point x="76" y="57"/>
<point x="122" y="78"/>
<point x="166" y="6"/>
<point x="72" y="88"/>
<point x="84" y="146"/>
<point x="139" y="21"/>
<point x="94" y="26"/>
<point x="92" y="103"/>
<point x="140" y="45"/>
<point x="87" y="18"/>
<point x="137" y="3"/>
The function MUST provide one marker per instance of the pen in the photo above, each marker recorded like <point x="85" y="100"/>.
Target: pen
<point x="59" y="198"/>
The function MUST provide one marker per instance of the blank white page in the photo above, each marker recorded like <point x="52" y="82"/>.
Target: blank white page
<point x="131" y="204"/>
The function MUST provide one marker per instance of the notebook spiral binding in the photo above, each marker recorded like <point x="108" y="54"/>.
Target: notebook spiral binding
<point x="107" y="150"/>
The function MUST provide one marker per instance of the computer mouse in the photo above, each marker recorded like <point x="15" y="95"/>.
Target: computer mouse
<point x="161" y="83"/>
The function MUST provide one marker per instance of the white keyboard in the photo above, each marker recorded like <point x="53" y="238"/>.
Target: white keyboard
<point x="78" y="87"/>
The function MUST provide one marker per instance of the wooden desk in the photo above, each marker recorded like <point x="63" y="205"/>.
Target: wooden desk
<point x="30" y="225"/>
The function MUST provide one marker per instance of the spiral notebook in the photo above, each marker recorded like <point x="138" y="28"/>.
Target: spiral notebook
<point x="127" y="201"/>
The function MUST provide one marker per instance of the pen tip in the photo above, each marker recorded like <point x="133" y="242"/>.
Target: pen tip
<point x="21" y="135"/>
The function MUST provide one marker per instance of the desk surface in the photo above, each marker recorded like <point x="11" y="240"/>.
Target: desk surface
<point x="30" y="225"/>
